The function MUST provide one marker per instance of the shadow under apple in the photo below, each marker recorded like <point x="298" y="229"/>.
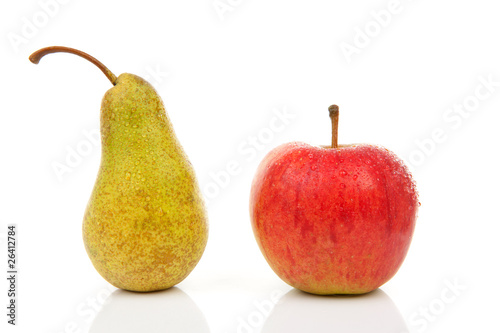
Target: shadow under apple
<point x="298" y="311"/>
<point x="170" y="310"/>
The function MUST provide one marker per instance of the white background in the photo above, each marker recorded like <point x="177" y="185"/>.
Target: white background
<point x="223" y="77"/>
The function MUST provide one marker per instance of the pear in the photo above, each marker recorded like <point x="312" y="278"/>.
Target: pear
<point x="145" y="227"/>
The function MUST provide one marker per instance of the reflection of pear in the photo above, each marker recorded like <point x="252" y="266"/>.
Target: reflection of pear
<point x="301" y="312"/>
<point x="171" y="310"/>
<point x="145" y="226"/>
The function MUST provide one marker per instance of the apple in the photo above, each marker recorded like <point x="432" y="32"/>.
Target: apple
<point x="333" y="219"/>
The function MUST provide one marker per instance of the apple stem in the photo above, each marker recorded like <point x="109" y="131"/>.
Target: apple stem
<point x="37" y="55"/>
<point x="334" y="116"/>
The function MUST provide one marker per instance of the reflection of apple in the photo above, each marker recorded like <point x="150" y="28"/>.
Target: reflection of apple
<point x="333" y="220"/>
<point x="170" y="310"/>
<point x="301" y="312"/>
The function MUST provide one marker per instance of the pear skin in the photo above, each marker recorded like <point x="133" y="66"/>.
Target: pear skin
<point x="145" y="227"/>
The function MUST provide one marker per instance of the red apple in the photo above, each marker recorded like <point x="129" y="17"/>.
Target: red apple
<point x="333" y="220"/>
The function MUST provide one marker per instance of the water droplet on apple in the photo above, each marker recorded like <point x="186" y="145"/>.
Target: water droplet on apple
<point x="310" y="155"/>
<point x="341" y="160"/>
<point x="342" y="185"/>
<point x="313" y="167"/>
<point x="343" y="173"/>
<point x="355" y="177"/>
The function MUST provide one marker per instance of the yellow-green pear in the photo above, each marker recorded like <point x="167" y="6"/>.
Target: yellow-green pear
<point x="145" y="226"/>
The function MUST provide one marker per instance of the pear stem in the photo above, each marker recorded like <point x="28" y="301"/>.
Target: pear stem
<point x="37" y="55"/>
<point x="334" y="116"/>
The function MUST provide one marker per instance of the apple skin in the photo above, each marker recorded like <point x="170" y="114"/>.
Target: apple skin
<point x="333" y="220"/>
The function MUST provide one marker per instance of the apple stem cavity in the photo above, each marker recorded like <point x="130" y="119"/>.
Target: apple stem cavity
<point x="37" y="55"/>
<point x="334" y="116"/>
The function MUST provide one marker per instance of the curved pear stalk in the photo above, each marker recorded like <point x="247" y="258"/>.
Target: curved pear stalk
<point x="37" y="55"/>
<point x="145" y="227"/>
